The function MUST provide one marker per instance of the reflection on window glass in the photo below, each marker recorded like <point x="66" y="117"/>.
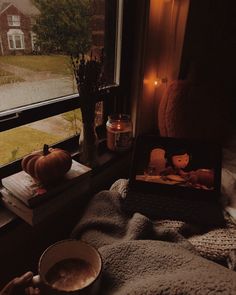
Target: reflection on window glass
<point x="38" y="41"/>
<point x="17" y="142"/>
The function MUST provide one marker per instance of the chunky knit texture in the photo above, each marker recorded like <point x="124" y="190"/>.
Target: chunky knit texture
<point x="143" y="256"/>
<point x="215" y="243"/>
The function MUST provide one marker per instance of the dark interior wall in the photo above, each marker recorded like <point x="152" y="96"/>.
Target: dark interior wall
<point x="209" y="51"/>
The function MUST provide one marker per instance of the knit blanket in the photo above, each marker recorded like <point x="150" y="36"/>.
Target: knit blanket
<point x="150" y="257"/>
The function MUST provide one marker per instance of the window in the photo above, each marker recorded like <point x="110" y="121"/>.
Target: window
<point x="15" y="39"/>
<point x="13" y="20"/>
<point x="50" y="130"/>
<point x="47" y="74"/>
<point x="33" y="41"/>
<point x="41" y="85"/>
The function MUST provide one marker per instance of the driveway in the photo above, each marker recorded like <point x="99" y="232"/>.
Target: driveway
<point x="38" y="86"/>
<point x="24" y="93"/>
<point x="57" y="125"/>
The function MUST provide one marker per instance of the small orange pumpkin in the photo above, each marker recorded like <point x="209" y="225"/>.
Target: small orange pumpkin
<point x="47" y="166"/>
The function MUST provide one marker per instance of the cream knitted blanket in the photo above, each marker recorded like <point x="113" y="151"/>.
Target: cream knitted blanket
<point x="143" y="256"/>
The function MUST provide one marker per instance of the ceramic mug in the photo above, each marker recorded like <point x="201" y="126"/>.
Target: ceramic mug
<point x="63" y="250"/>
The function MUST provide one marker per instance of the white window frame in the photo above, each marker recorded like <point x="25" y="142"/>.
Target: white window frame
<point x="13" y="34"/>
<point x="33" y="40"/>
<point x="13" y="20"/>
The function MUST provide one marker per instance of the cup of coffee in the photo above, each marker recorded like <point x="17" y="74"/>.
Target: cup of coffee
<point x="69" y="267"/>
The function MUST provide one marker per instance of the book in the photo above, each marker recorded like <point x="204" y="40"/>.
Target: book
<point x="32" y="193"/>
<point x="37" y="214"/>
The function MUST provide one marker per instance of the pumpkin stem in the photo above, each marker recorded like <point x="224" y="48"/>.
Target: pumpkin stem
<point x="45" y="150"/>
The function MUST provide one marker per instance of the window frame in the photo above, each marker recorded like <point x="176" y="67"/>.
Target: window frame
<point x="13" y="36"/>
<point x="21" y="116"/>
<point x="112" y="96"/>
<point x="13" y="23"/>
<point x="33" y="40"/>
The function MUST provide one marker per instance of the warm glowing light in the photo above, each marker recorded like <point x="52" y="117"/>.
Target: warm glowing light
<point x="118" y="126"/>
<point x="154" y="81"/>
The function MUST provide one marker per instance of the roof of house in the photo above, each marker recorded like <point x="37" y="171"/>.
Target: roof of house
<point x="25" y="6"/>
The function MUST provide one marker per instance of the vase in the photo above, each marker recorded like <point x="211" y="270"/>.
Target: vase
<point x="88" y="137"/>
<point x="88" y="143"/>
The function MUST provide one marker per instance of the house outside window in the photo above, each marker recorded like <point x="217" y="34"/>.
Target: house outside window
<point x="13" y="20"/>
<point x="15" y="39"/>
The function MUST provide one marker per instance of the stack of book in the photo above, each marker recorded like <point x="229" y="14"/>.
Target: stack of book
<point x="33" y="202"/>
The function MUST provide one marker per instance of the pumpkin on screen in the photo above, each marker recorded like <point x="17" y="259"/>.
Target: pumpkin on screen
<point x="47" y="166"/>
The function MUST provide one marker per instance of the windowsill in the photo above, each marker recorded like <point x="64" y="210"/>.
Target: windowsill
<point x="101" y="176"/>
<point x="71" y="145"/>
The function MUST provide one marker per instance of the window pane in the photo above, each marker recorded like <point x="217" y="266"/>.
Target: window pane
<point x="11" y="43"/>
<point x="18" y="42"/>
<point x="13" y="20"/>
<point x="20" y="141"/>
<point x="17" y="142"/>
<point x="16" y="18"/>
<point x="44" y="71"/>
<point x="10" y="21"/>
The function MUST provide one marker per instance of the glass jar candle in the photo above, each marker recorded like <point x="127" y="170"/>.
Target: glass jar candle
<point x="119" y="132"/>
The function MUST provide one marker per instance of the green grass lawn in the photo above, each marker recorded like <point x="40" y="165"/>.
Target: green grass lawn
<point x="74" y="115"/>
<point x="56" y="64"/>
<point x="7" y="77"/>
<point x="16" y="143"/>
<point x="20" y="141"/>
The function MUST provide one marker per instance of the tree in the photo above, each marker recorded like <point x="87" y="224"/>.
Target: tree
<point x="64" y="26"/>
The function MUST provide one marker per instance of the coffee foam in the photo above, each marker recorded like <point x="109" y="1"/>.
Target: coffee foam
<point x="71" y="274"/>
